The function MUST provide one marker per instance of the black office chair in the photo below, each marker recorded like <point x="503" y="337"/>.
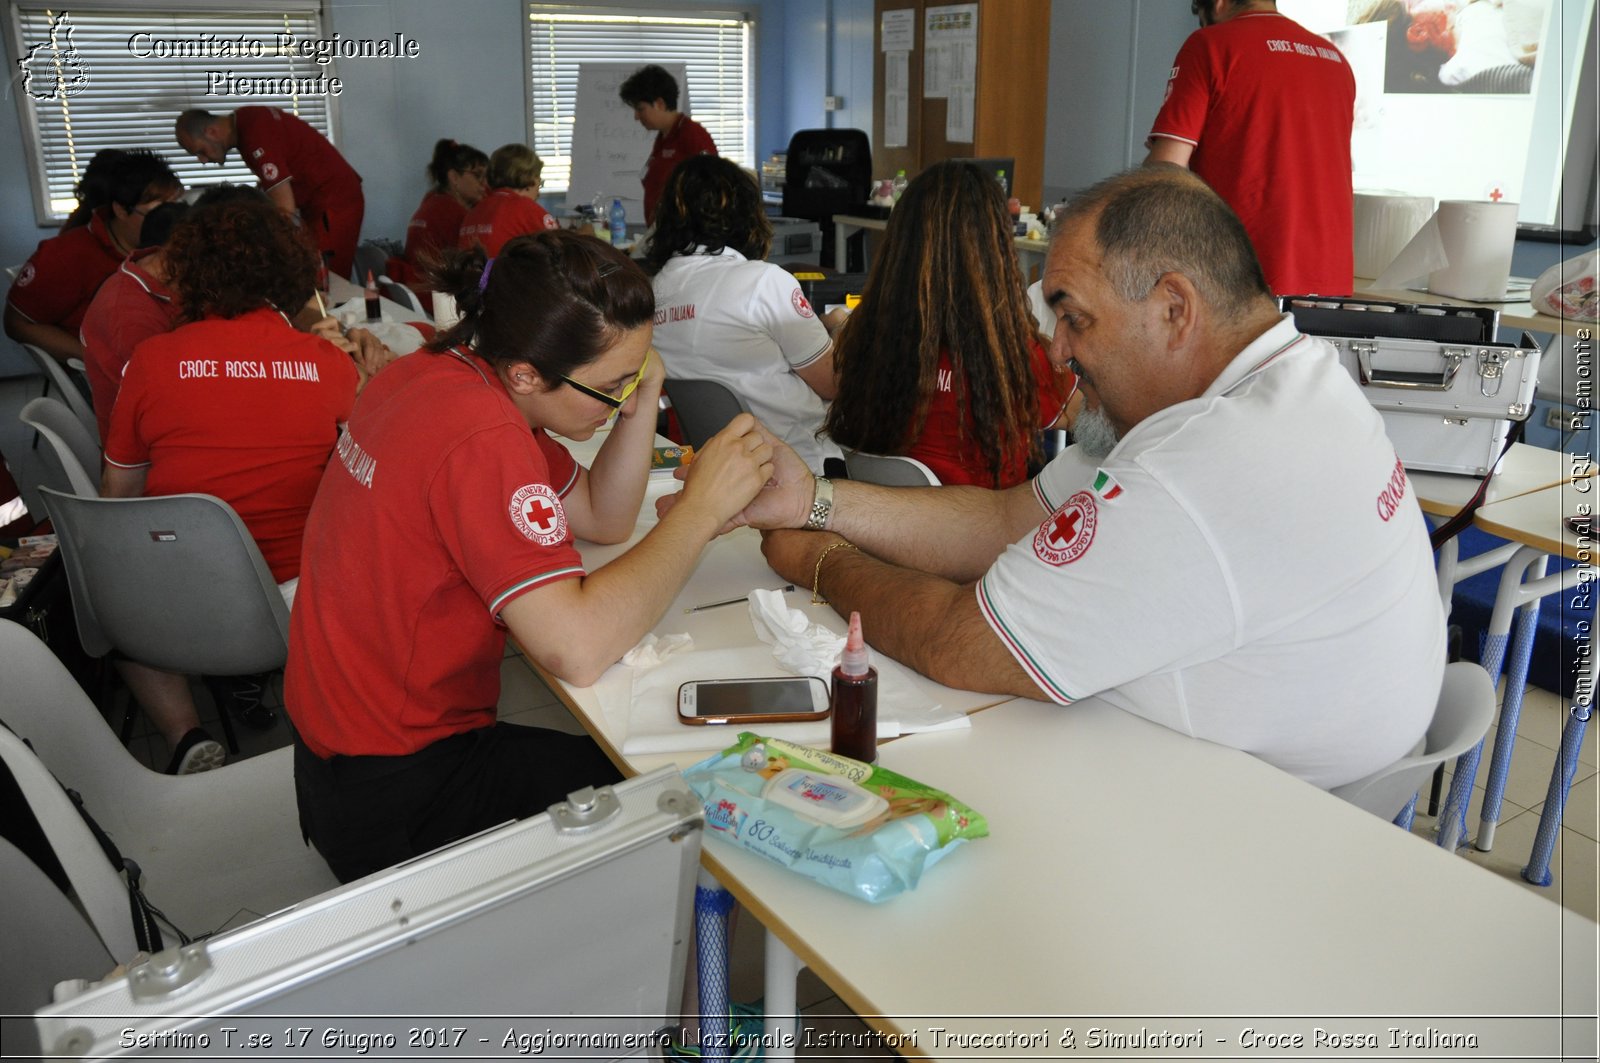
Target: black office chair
<point x="828" y="172"/>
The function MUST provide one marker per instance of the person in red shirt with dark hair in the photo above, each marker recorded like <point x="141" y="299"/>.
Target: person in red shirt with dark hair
<point x="941" y="359"/>
<point x="132" y="305"/>
<point x="653" y="95"/>
<point x="512" y="206"/>
<point x="448" y="520"/>
<point x="51" y="294"/>
<point x="296" y="165"/>
<point x="458" y="172"/>
<point x="236" y="404"/>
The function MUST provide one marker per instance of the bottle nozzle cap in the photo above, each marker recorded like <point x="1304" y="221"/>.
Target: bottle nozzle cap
<point x="856" y="659"/>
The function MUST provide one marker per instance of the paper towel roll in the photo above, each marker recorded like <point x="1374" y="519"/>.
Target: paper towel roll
<point x="1384" y="223"/>
<point x="1464" y="250"/>
<point x="1478" y="240"/>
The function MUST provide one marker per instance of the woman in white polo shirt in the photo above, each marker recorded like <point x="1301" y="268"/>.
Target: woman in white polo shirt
<point x="723" y="314"/>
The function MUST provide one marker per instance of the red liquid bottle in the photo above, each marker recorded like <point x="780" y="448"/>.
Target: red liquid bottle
<point x="855" y="700"/>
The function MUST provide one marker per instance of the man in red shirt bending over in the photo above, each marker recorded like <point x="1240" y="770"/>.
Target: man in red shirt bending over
<point x="653" y="95"/>
<point x="296" y="165"/>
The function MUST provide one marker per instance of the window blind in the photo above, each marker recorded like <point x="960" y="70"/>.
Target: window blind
<point x="715" y="49"/>
<point x="143" y="67"/>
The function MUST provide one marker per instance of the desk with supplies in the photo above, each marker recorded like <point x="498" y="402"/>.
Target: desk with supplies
<point x="1139" y="883"/>
<point x="1517" y="315"/>
<point x="1030" y="253"/>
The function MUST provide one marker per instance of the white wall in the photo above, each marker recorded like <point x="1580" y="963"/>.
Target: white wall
<point x="1108" y="71"/>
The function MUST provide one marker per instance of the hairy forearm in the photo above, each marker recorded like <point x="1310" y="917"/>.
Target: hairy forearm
<point x="953" y="532"/>
<point x="926" y="623"/>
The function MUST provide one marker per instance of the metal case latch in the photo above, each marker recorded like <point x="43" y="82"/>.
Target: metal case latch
<point x="585" y="809"/>
<point x="1491" y="366"/>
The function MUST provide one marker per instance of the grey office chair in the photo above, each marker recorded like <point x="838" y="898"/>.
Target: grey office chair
<point x="400" y="293"/>
<point x="891" y="470"/>
<point x="704" y="407"/>
<point x="75" y="451"/>
<point x="213" y="847"/>
<point x="47" y="938"/>
<point x="173" y="582"/>
<point x="58" y="378"/>
<point x="1461" y="719"/>
<point x="369" y="257"/>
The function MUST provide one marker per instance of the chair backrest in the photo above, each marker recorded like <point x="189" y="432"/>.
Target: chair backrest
<point x="829" y="171"/>
<point x="704" y="407"/>
<point x="66" y="388"/>
<point x="401" y="294"/>
<point x="47" y="940"/>
<point x="75" y="450"/>
<point x="369" y="257"/>
<point x="891" y="470"/>
<point x="172" y="581"/>
<point x="41" y="702"/>
<point x="1460" y="720"/>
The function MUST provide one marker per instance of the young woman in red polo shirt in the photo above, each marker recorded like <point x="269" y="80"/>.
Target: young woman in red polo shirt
<point x="447" y="521"/>
<point x="458" y="174"/>
<point x="941" y="360"/>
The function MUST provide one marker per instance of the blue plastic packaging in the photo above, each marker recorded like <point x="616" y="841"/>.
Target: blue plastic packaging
<point x="874" y="860"/>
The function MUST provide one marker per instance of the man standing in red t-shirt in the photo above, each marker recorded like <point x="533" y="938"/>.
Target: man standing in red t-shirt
<point x="1262" y="108"/>
<point x="296" y="165"/>
<point x="653" y="95"/>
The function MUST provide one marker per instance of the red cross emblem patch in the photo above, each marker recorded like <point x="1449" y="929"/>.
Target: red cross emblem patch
<point x="1067" y="533"/>
<point x="801" y="307"/>
<point x="269" y="172"/>
<point x="537" y="513"/>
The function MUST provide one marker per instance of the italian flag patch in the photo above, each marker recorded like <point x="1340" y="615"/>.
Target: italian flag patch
<point x="1106" y="486"/>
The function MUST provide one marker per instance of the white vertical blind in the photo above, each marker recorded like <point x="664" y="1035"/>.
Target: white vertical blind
<point x="143" y="67"/>
<point x="715" y="48"/>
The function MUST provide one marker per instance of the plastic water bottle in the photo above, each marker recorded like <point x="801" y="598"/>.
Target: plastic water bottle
<point x="619" y="224"/>
<point x="898" y="188"/>
<point x="1005" y="189"/>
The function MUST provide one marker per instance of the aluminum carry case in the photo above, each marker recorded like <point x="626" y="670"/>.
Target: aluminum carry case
<point x="1447" y="400"/>
<point x="564" y="935"/>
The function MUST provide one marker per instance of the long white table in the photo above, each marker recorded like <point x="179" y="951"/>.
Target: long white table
<point x="1147" y="884"/>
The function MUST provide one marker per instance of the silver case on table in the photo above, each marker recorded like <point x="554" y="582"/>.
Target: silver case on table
<point x="571" y="926"/>
<point x="1447" y="407"/>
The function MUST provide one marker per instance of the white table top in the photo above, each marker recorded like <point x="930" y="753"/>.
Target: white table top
<point x="1519" y="315"/>
<point x="1523" y="469"/>
<point x="1538" y="519"/>
<point x="1136" y="878"/>
<point x="342" y="290"/>
<point x="1134" y="872"/>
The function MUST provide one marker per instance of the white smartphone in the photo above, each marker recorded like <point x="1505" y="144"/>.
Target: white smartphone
<point x="775" y="699"/>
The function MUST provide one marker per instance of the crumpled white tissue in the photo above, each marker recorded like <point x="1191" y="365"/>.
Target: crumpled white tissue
<point x="799" y="645"/>
<point x="398" y="336"/>
<point x="652" y="650"/>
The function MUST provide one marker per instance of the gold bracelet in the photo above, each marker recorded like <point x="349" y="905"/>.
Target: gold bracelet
<point x="816" y="576"/>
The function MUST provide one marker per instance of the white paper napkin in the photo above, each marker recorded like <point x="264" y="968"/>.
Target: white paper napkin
<point x="398" y="336"/>
<point x="800" y="646"/>
<point x="643" y="705"/>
